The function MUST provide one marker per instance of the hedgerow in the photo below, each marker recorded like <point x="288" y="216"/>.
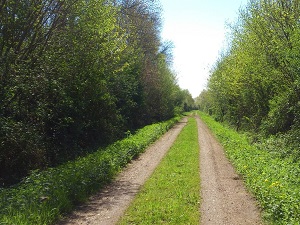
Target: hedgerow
<point x="45" y="195"/>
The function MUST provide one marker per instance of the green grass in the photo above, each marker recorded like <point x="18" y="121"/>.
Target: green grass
<point x="171" y="195"/>
<point x="275" y="181"/>
<point x="43" y="196"/>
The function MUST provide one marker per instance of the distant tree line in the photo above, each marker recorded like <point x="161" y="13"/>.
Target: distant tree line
<point x="77" y="74"/>
<point x="255" y="84"/>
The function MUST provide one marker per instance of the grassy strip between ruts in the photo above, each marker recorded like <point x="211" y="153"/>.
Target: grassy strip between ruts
<point x="274" y="181"/>
<point x="43" y="196"/>
<point x="172" y="194"/>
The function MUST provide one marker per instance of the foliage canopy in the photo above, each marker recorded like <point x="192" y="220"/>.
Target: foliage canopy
<point x="78" y="74"/>
<point x="255" y="84"/>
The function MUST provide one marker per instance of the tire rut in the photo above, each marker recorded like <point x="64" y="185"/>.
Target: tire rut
<point x="224" y="198"/>
<point x="225" y="201"/>
<point x="106" y="207"/>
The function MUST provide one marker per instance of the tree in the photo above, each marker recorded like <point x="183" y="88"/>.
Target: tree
<point x="26" y="30"/>
<point x="255" y="84"/>
<point x="76" y="75"/>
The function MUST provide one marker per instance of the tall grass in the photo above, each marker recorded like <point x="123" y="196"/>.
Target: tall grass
<point x="43" y="196"/>
<point x="171" y="195"/>
<point x="275" y="181"/>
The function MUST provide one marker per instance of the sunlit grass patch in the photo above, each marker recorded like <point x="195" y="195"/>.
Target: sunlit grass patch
<point x="171" y="195"/>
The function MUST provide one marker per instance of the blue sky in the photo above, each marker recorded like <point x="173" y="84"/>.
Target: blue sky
<point x="197" y="29"/>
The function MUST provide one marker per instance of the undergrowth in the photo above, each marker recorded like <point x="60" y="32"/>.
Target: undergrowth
<point x="283" y="145"/>
<point x="43" y="196"/>
<point x="274" y="180"/>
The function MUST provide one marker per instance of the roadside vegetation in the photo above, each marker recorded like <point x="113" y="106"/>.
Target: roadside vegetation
<point x="254" y="88"/>
<point x="274" y="180"/>
<point x="172" y="194"/>
<point x="255" y="84"/>
<point x="43" y="197"/>
<point x="76" y="75"/>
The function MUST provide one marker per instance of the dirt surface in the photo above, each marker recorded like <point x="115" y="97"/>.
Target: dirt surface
<point x="224" y="198"/>
<point x="107" y="207"/>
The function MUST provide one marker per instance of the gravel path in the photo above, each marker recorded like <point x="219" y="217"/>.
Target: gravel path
<point x="107" y="207"/>
<point x="224" y="198"/>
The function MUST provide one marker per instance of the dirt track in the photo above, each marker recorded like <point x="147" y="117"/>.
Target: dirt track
<point x="224" y="198"/>
<point x="108" y="206"/>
